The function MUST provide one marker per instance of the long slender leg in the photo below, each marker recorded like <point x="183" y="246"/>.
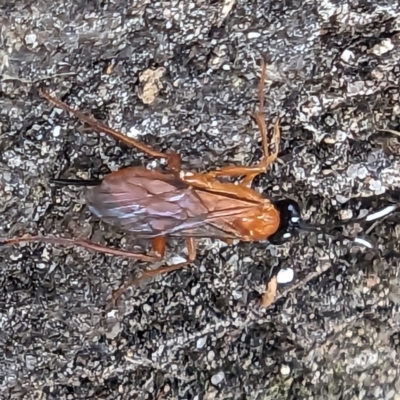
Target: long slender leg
<point x="191" y="246"/>
<point x="250" y="172"/>
<point x="98" y="248"/>
<point x="173" y="159"/>
<point x="268" y="159"/>
<point x="211" y="184"/>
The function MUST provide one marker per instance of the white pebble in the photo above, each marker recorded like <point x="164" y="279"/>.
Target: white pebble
<point x="30" y="38"/>
<point x="57" y="131"/>
<point x="347" y="56"/>
<point x="362" y="172"/>
<point x="134" y="133"/>
<point x="218" y="378"/>
<point x="177" y="260"/>
<point x="285" y="370"/>
<point x="375" y="185"/>
<point x="345" y="214"/>
<point x="253" y="35"/>
<point x="201" y="342"/>
<point x="146" y="308"/>
<point x="341" y="199"/>
<point x="383" y="47"/>
<point x="193" y="290"/>
<point x="285" y="275"/>
<point x="112" y="314"/>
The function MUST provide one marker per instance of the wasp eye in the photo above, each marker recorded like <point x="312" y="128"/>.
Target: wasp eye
<point x="290" y="216"/>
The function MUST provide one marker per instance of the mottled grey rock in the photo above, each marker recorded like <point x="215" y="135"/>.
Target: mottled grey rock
<point x="332" y="78"/>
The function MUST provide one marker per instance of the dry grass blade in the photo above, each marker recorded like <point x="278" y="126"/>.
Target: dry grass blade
<point x="397" y="133"/>
<point x="270" y="295"/>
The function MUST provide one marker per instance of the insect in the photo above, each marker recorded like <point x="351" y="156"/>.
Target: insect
<point x="155" y="204"/>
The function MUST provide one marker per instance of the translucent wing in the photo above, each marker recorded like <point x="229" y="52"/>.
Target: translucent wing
<point x="150" y="203"/>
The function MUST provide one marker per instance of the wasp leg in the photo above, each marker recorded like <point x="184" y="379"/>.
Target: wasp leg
<point x="173" y="159"/>
<point x="98" y="248"/>
<point x="159" y="247"/>
<point x="209" y="183"/>
<point x="250" y="172"/>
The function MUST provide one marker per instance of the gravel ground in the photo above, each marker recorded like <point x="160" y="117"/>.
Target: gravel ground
<point x="333" y="80"/>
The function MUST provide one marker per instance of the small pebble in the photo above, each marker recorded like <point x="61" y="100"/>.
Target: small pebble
<point x="347" y="56"/>
<point x="345" y="214"/>
<point x="30" y="38"/>
<point x="285" y="275"/>
<point x="201" y="342"/>
<point x="114" y="332"/>
<point x="383" y="47"/>
<point x="375" y="184"/>
<point x="285" y="370"/>
<point x="341" y="199"/>
<point x="218" y="378"/>
<point x="253" y="35"/>
<point x="57" y="131"/>
<point x="362" y="173"/>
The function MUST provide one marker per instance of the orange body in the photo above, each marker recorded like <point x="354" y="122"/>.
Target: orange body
<point x="152" y="204"/>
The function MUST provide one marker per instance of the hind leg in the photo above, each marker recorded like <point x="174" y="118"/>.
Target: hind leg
<point x="86" y="244"/>
<point x="173" y="159"/>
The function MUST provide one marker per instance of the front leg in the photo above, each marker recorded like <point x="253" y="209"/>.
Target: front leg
<point x="250" y="172"/>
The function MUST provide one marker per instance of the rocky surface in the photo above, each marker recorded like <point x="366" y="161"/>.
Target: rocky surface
<point x="183" y="75"/>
